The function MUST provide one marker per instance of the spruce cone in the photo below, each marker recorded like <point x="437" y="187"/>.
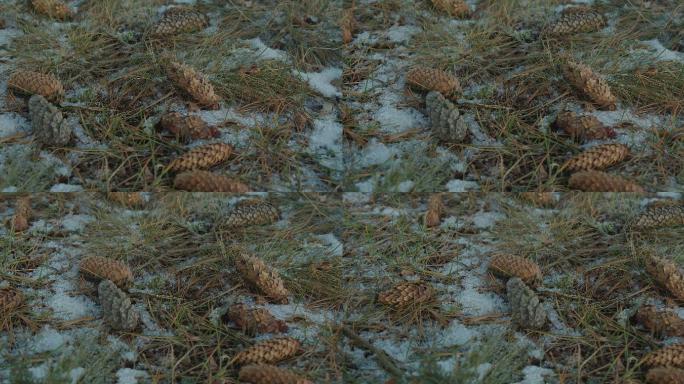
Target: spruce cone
<point x="541" y="199"/>
<point x="582" y="128"/>
<point x="35" y="83"/>
<point x="430" y="79"/>
<point x="435" y="208"/>
<point x="672" y="356"/>
<point x="665" y="376"/>
<point x="597" y="158"/>
<point x="591" y="84"/>
<point x="348" y="25"/>
<point x="661" y="322"/>
<point x="447" y="123"/>
<point x="179" y="20"/>
<point x="596" y="181"/>
<point x="268" y="352"/>
<point x="663" y="216"/>
<point x="407" y="293"/>
<point x="455" y="8"/>
<point x="188" y="127"/>
<point x="22" y="214"/>
<point x="269" y="374"/>
<point x="127" y="199"/>
<point x="202" y="157"/>
<point x="102" y="268"/>
<point x="257" y="274"/>
<point x="203" y="181"/>
<point x="49" y="126"/>
<point x="56" y="9"/>
<point x="117" y="309"/>
<point x="194" y="83"/>
<point x="527" y="310"/>
<point x="515" y="266"/>
<point x="666" y="274"/>
<point x="577" y="22"/>
<point x="255" y="320"/>
<point x="10" y="299"/>
<point x="252" y="212"/>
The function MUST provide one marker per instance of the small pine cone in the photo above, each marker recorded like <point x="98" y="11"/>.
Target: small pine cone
<point x="255" y="320"/>
<point x="252" y="212"/>
<point x="188" y="127"/>
<point x="268" y="352"/>
<point x="577" y="21"/>
<point x="22" y="214"/>
<point x="179" y="20"/>
<point x="666" y="274"/>
<point x="588" y="82"/>
<point x="665" y="376"/>
<point x="515" y="266"/>
<point x="203" y="181"/>
<point x="583" y="128"/>
<point x="435" y="209"/>
<point x="49" y="126"/>
<point x="597" y="158"/>
<point x="527" y="310"/>
<point x="269" y="374"/>
<point x="661" y="322"/>
<point x="407" y="293"/>
<point x="10" y="299"/>
<point x="36" y="83"/>
<point x="194" y="83"/>
<point x="672" y="356"/>
<point x="541" y="199"/>
<point x="660" y="216"/>
<point x="56" y="9"/>
<point x="117" y="309"/>
<point x="455" y="8"/>
<point x="257" y="274"/>
<point x="98" y="268"/>
<point x="447" y="123"/>
<point x="596" y="181"/>
<point x="127" y="199"/>
<point x="430" y="79"/>
<point x="348" y="25"/>
<point x="202" y="157"/>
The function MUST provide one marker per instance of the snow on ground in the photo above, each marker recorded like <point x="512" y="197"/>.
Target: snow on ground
<point x="131" y="376"/>
<point x="322" y="81"/>
<point x="13" y="124"/>
<point x="325" y="143"/>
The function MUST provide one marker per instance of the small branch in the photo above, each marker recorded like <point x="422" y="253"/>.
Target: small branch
<point x="383" y="359"/>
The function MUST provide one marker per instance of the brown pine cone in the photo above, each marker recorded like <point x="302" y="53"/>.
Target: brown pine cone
<point x="662" y="216"/>
<point x="187" y="127"/>
<point x="179" y="20"/>
<point x="665" y="376"/>
<point x="202" y="157"/>
<point x="257" y="274"/>
<point x="252" y="212"/>
<point x="268" y="352"/>
<point x="56" y="9"/>
<point x="127" y="199"/>
<point x="672" y="356"/>
<point x="49" y="126"/>
<point x="596" y="181"/>
<point x="98" y="268"/>
<point x="35" y="83"/>
<point x="435" y="209"/>
<point x="407" y="293"/>
<point x="10" y="299"/>
<point x="455" y="8"/>
<point x="507" y="266"/>
<point x="117" y="309"/>
<point x="430" y="79"/>
<point x="583" y="128"/>
<point x="348" y="25"/>
<point x="588" y="82"/>
<point x="577" y="21"/>
<point x="269" y="374"/>
<point x="255" y="320"/>
<point x="597" y="158"/>
<point x="541" y="199"/>
<point x="22" y="214"/>
<point x="194" y="83"/>
<point x="526" y="308"/>
<point x="203" y="181"/>
<point x="666" y="274"/>
<point x="663" y="322"/>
